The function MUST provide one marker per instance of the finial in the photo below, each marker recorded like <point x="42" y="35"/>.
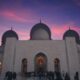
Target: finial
<point x="11" y="28"/>
<point x="69" y="28"/>
<point x="40" y="20"/>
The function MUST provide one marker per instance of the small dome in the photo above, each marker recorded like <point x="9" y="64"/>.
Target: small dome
<point x="7" y="34"/>
<point x="71" y="33"/>
<point x="40" y="31"/>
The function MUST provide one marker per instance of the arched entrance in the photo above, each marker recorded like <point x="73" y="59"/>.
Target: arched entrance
<point x="40" y="62"/>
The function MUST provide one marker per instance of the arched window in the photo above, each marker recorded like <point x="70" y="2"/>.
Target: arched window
<point x="40" y="62"/>
<point x="24" y="66"/>
<point x="57" y="65"/>
<point x="0" y="67"/>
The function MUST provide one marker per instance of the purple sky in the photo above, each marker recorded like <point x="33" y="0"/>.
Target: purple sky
<point x="22" y="15"/>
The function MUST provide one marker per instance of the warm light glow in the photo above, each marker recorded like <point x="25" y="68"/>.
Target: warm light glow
<point x="40" y="60"/>
<point x="0" y="67"/>
<point x="0" y="63"/>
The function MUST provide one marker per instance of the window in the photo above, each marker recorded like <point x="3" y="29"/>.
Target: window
<point x="0" y="66"/>
<point x="24" y="66"/>
<point x="57" y="65"/>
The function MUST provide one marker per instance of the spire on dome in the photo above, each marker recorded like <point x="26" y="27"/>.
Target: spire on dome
<point x="11" y="28"/>
<point x="40" y="31"/>
<point x="69" y="27"/>
<point x="40" y="20"/>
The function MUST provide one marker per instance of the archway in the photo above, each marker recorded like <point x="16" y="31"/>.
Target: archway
<point x="57" y="65"/>
<point x="24" y="66"/>
<point x="0" y="66"/>
<point x="40" y="62"/>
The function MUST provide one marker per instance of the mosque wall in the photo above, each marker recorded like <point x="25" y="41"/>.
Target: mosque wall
<point x="72" y="56"/>
<point x="29" y="49"/>
<point x="9" y="55"/>
<point x="78" y="48"/>
<point x="65" y="50"/>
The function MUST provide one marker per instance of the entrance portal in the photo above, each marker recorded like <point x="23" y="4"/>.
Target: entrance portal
<point x="40" y="62"/>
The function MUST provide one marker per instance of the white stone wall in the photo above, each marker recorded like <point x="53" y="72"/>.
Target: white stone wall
<point x="29" y="49"/>
<point x="72" y="56"/>
<point x="65" y="50"/>
<point x="78" y="47"/>
<point x="9" y="54"/>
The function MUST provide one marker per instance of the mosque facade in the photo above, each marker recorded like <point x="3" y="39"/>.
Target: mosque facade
<point x="41" y="53"/>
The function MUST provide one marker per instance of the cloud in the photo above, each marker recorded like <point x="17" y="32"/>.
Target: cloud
<point x="23" y="17"/>
<point x="59" y="30"/>
<point x="23" y="35"/>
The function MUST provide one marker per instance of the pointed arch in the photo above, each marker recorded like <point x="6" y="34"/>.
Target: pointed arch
<point x="24" y="66"/>
<point x="0" y="66"/>
<point x="40" y="62"/>
<point x="57" y="65"/>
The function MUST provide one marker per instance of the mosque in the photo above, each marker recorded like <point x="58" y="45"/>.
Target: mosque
<point x="41" y="52"/>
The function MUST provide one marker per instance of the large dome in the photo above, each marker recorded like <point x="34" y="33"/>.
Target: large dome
<point x="7" y="34"/>
<point x="40" y="31"/>
<point x="71" y="33"/>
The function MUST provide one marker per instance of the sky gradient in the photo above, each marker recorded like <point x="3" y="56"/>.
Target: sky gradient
<point x="22" y="15"/>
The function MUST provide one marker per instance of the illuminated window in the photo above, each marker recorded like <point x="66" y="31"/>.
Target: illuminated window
<point x="0" y="63"/>
<point x="0" y="66"/>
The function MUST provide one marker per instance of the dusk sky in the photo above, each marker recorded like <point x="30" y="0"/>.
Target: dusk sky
<point x="22" y="15"/>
